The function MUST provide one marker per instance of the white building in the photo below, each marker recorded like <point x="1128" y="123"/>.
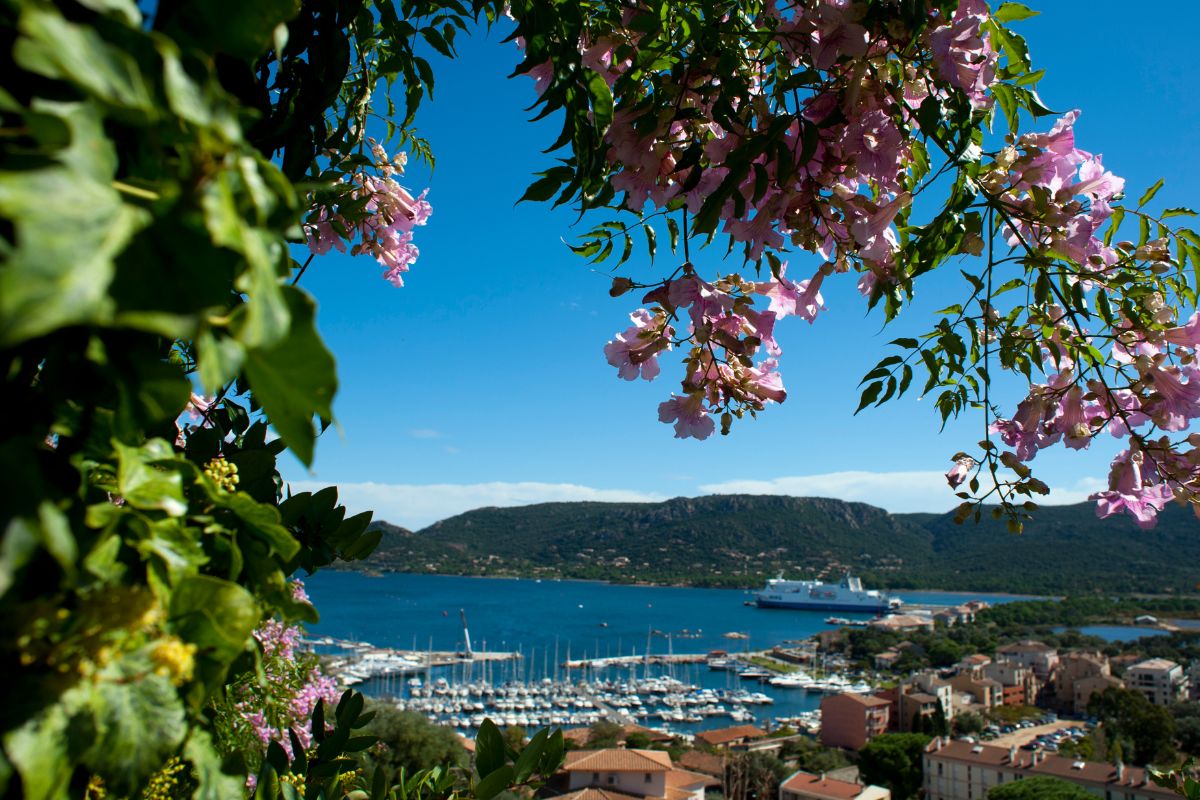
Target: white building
<point x="1161" y="681"/>
<point x="965" y="771"/>
<point x="630" y="773"/>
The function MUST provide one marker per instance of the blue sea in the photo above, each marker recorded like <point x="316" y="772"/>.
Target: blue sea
<point x="547" y="620"/>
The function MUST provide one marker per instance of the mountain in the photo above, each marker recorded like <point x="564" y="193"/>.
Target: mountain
<point x="738" y="540"/>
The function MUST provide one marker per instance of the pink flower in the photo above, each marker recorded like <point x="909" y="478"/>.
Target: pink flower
<point x="963" y="57"/>
<point x="1174" y="402"/>
<point x="1129" y="493"/>
<point x="689" y="416"/>
<point x="959" y="472"/>
<point x="635" y="350"/>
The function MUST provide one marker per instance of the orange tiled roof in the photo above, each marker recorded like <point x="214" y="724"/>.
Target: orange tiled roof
<point x="612" y="760"/>
<point x="592" y="793"/>
<point x="821" y="786"/>
<point x="726" y="735"/>
<point x="700" y="761"/>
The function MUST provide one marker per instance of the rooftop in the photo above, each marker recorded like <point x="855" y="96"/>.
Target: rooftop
<point x="734" y="734"/>
<point x="868" y="700"/>
<point x="1156" y="664"/>
<point x="613" y="760"/>
<point x="821" y="786"/>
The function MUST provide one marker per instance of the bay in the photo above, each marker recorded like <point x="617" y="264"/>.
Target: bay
<point x="547" y="620"/>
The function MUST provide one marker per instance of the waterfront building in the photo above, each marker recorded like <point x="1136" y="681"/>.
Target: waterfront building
<point x="851" y="720"/>
<point x="809" y="786"/>
<point x="1040" y="657"/>
<point x="616" y="774"/>
<point x="732" y="738"/>
<point x="1161" y="681"/>
<point x="965" y="771"/>
<point x="902" y="622"/>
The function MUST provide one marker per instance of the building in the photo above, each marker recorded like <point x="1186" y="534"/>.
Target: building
<point x="902" y="622"/>
<point x="808" y="786"/>
<point x="1039" y="657"/>
<point x="1079" y="676"/>
<point x="711" y="764"/>
<point x="616" y="774"/>
<point x="886" y="660"/>
<point x="852" y="720"/>
<point x="964" y="771"/>
<point x="930" y="683"/>
<point x="986" y="692"/>
<point x="731" y="737"/>
<point x="907" y="708"/>
<point x="1019" y="685"/>
<point x="1161" y="681"/>
<point x="1193" y="676"/>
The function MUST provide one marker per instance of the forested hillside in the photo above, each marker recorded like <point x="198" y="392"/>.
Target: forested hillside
<point x="741" y="539"/>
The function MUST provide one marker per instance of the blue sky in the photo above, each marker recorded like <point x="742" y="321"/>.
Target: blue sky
<point x="483" y="381"/>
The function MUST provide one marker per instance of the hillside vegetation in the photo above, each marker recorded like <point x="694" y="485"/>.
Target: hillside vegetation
<point x="738" y="540"/>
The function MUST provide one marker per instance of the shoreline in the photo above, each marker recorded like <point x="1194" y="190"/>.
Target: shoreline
<point x="377" y="572"/>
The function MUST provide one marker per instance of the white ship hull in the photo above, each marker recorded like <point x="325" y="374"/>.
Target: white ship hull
<point x="817" y="596"/>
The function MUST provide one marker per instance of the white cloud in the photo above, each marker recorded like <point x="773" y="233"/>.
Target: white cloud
<point x="898" y="492"/>
<point x="414" y="506"/>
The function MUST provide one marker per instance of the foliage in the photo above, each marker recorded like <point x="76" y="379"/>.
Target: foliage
<point x="1184" y="781"/>
<point x="1146" y="732"/>
<point x="753" y="775"/>
<point x="968" y="722"/>
<point x="1039" y="787"/>
<point x="1187" y="726"/>
<point x="810" y="756"/>
<point x="894" y="760"/>
<point x="409" y="742"/>
<point x="740" y="540"/>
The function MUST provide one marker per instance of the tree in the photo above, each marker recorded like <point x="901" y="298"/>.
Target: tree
<point x="895" y="760"/>
<point x="1145" y="731"/>
<point x="637" y="741"/>
<point x="1187" y="726"/>
<point x="408" y="741"/>
<point x="1039" y="787"/>
<point x="968" y="722"/>
<point x="604" y="734"/>
<point x="753" y="775"/>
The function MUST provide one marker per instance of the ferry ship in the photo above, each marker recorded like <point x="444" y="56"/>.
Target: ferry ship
<point x="849" y="595"/>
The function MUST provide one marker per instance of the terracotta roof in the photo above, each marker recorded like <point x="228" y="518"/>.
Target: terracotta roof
<point x="653" y="735"/>
<point x="868" y="700"/>
<point x="467" y="744"/>
<point x="700" y="761"/>
<point x="977" y="658"/>
<point x="613" y="760"/>
<point x="921" y="697"/>
<point x="592" y="793"/>
<point x="727" y="735"/>
<point x="684" y="779"/>
<point x="821" y="786"/>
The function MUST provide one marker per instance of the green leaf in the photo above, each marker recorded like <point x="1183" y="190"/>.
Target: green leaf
<point x="489" y="749"/>
<point x="145" y="480"/>
<point x="142" y="723"/>
<point x="1148" y="195"/>
<point x="214" y="614"/>
<point x="40" y="750"/>
<point x="49" y="280"/>
<point x="244" y="30"/>
<point x="214" y="784"/>
<point x="1013" y="12"/>
<point x="495" y="783"/>
<point x="295" y="378"/>
<point x="55" y="48"/>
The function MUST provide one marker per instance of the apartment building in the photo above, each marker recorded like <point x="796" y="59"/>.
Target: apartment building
<point x="965" y="771"/>
<point x="851" y="720"/>
<point x="1039" y="657"/>
<point x="1160" y="680"/>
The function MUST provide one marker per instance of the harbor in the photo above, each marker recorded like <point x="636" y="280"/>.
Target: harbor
<point x="572" y="653"/>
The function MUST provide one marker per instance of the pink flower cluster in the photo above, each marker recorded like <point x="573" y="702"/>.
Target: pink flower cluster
<point x="384" y="226"/>
<point x="839" y="199"/>
<point x="726" y="333"/>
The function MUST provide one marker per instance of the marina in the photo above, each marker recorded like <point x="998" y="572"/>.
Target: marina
<point x="556" y="646"/>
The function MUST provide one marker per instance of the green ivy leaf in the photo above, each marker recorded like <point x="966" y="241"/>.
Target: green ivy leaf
<point x="295" y="378"/>
<point x="141" y="723"/>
